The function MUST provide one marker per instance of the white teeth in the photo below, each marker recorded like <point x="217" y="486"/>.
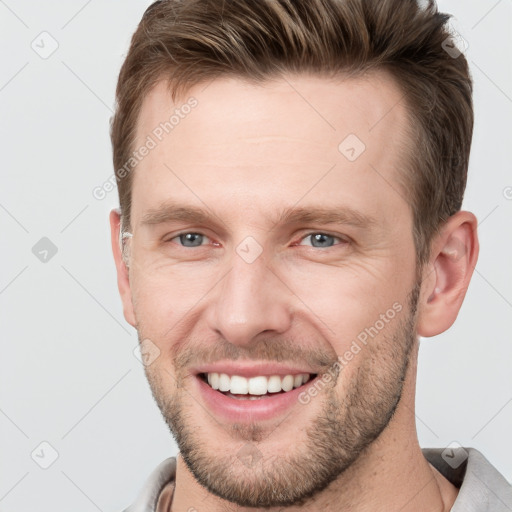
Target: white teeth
<point x="274" y="384"/>
<point x="287" y="383"/>
<point x="224" y="382"/>
<point x="259" y="385"/>
<point x="213" y="380"/>
<point x="239" y="385"/>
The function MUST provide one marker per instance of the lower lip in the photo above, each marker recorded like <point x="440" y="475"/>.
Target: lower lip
<point x="247" y="411"/>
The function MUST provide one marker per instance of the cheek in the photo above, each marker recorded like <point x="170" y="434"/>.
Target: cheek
<point x="166" y="305"/>
<point x="171" y="289"/>
<point x="343" y="301"/>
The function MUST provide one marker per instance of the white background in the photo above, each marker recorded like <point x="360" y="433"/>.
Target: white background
<point x="68" y="373"/>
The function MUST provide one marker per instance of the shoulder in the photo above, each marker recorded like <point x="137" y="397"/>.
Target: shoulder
<point x="481" y="486"/>
<point x="148" y="496"/>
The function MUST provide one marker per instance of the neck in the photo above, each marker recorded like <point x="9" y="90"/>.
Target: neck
<point x="392" y="474"/>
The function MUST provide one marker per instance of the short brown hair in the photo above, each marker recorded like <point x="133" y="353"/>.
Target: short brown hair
<point x="192" y="41"/>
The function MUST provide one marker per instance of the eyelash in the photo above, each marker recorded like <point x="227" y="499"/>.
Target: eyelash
<point x="343" y="240"/>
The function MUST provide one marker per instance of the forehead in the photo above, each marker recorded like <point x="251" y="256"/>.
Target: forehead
<point x="296" y="138"/>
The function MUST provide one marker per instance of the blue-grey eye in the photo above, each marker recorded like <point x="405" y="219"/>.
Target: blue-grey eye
<point x="321" y="240"/>
<point x="191" y="239"/>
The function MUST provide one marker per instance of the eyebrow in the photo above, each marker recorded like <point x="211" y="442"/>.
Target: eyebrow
<point x="170" y="211"/>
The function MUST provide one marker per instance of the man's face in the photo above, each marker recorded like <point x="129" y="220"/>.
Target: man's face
<point x="253" y="292"/>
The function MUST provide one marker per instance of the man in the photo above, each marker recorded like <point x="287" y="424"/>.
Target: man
<point x="290" y="178"/>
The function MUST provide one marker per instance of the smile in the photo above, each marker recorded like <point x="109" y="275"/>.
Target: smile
<point x="254" y="388"/>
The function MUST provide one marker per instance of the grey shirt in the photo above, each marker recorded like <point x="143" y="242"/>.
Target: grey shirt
<point x="481" y="487"/>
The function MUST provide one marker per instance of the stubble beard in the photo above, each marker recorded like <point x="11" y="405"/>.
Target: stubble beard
<point x="334" y="440"/>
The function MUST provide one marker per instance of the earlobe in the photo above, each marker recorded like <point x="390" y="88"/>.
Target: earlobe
<point x="123" y="280"/>
<point x="446" y="278"/>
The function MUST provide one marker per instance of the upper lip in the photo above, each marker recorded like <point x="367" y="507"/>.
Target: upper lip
<point x="253" y="369"/>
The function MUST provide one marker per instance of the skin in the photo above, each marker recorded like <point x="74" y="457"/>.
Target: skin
<point x="246" y="153"/>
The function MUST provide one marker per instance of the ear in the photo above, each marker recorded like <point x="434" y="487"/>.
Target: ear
<point x="123" y="281"/>
<point x="446" y="277"/>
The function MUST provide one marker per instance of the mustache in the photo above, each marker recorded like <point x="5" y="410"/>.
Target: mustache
<point x="266" y="349"/>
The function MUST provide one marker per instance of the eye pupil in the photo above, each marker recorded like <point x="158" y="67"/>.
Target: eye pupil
<point x="191" y="237"/>
<point x="322" y="238"/>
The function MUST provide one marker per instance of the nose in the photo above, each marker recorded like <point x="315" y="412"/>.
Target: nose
<point x="249" y="300"/>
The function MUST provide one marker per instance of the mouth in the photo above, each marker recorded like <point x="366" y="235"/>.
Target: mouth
<point x="256" y="397"/>
<point x="254" y="388"/>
